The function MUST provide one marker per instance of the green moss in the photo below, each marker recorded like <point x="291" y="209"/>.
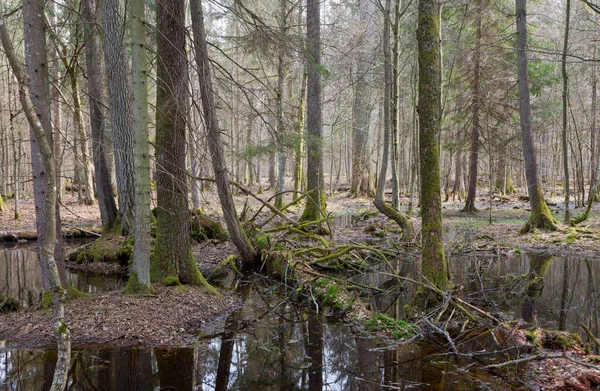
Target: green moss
<point x="109" y="247"/>
<point x="203" y="227"/>
<point x="333" y="295"/>
<point x="62" y="329"/>
<point x="74" y="293"/>
<point x="170" y="280"/>
<point x="134" y="285"/>
<point x="46" y="300"/>
<point x="397" y="328"/>
<point x="181" y="288"/>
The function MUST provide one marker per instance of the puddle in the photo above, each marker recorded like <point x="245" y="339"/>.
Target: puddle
<point x="272" y="344"/>
<point x="20" y="275"/>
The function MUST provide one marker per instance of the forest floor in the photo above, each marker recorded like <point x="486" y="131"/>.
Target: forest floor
<point x="118" y="319"/>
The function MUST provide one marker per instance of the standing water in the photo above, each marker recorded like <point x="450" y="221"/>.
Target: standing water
<point x="270" y="343"/>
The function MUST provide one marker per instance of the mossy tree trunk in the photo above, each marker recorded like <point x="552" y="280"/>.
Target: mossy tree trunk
<point x="139" y="279"/>
<point x="540" y="214"/>
<point x="434" y="265"/>
<point x="400" y="218"/>
<point x="209" y="110"/>
<point x="315" y="204"/>
<point x="173" y="261"/>
<point x="39" y="121"/>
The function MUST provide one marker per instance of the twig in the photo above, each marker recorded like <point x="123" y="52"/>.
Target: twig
<point x="525" y="359"/>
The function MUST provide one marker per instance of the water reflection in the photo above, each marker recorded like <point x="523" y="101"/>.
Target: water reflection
<point x="20" y="277"/>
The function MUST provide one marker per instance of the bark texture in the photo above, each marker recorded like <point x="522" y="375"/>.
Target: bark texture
<point x="120" y="106"/>
<point x="434" y="265"/>
<point x="106" y="198"/>
<point x="315" y="182"/>
<point x="140" y="266"/>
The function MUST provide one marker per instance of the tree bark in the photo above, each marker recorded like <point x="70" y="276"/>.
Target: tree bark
<point x="540" y="214"/>
<point x="106" y="198"/>
<point x="281" y="73"/>
<point x="434" y="265"/>
<point x="476" y="102"/>
<point x="173" y="259"/>
<point x="565" y="115"/>
<point x="139" y="279"/>
<point x="120" y="108"/>
<point x="315" y="204"/>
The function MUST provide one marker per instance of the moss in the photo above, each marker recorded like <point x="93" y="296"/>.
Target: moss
<point x="109" y="247"/>
<point x="333" y="295"/>
<point x="74" y="293"/>
<point x="397" y="328"/>
<point x="170" y="280"/>
<point x="46" y="300"/>
<point x="540" y="215"/>
<point x="8" y="303"/>
<point x="316" y="206"/>
<point x="203" y="227"/>
<point x="181" y="288"/>
<point x="134" y="285"/>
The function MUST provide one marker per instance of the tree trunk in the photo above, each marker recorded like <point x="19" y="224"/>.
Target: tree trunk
<point x="238" y="236"/>
<point x="315" y="204"/>
<point x="120" y="108"/>
<point x="173" y="259"/>
<point x="565" y="117"/>
<point x="540" y="214"/>
<point x="281" y="71"/>
<point x="39" y="121"/>
<point x="106" y="198"/>
<point x="139" y="279"/>
<point x="476" y="101"/>
<point x="434" y="265"/>
<point x="362" y="183"/>
<point x="400" y="218"/>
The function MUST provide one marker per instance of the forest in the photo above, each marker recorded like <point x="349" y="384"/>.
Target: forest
<point x="299" y="195"/>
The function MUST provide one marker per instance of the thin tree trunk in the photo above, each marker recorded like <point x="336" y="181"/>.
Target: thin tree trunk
<point x="565" y="118"/>
<point x="238" y="236"/>
<point x="281" y="71"/>
<point x="400" y="218"/>
<point x="476" y="101"/>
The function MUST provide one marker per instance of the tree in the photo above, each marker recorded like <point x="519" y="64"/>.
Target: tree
<point x="106" y="198"/>
<point x="315" y="206"/>
<point x="139" y="279"/>
<point x="565" y="115"/>
<point x="173" y="261"/>
<point x="362" y="182"/>
<point x="238" y="237"/>
<point x="540" y="214"/>
<point x="120" y="106"/>
<point x="400" y="218"/>
<point x="434" y="265"/>
<point x="35" y="50"/>
<point x="476" y="102"/>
